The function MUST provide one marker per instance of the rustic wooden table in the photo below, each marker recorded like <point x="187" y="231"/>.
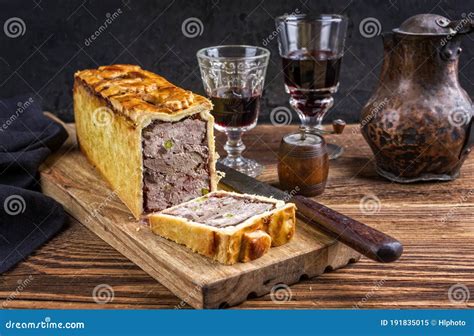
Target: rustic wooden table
<point x="435" y="222"/>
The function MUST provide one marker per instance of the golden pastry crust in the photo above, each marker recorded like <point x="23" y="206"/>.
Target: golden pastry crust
<point x="138" y="94"/>
<point x="254" y="245"/>
<point x="111" y="110"/>
<point x="244" y="242"/>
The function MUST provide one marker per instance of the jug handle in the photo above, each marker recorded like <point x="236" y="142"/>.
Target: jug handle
<point x="470" y="139"/>
<point x="463" y="26"/>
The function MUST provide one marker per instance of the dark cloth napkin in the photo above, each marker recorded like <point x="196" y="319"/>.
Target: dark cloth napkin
<point x="27" y="217"/>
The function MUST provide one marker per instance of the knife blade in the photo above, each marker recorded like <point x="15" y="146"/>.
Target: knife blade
<point x="366" y="240"/>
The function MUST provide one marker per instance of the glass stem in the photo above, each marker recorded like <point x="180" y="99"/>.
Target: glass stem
<point x="314" y="122"/>
<point x="308" y="124"/>
<point x="234" y="145"/>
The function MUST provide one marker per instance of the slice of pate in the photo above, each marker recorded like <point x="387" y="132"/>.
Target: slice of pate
<point x="226" y="226"/>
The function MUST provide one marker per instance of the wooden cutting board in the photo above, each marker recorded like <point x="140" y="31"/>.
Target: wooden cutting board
<point x="69" y="178"/>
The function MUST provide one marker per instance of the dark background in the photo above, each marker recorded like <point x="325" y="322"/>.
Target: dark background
<point x="44" y="59"/>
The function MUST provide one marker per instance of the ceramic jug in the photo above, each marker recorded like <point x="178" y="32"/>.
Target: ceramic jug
<point x="418" y="121"/>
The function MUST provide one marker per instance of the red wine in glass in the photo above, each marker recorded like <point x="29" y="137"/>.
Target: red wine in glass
<point x="310" y="76"/>
<point x="235" y="107"/>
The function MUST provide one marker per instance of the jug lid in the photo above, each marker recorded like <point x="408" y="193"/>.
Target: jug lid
<point x="426" y="24"/>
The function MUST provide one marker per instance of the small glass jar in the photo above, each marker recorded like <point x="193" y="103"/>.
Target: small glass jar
<point x="303" y="164"/>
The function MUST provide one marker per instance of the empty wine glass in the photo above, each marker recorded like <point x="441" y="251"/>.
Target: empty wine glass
<point x="233" y="77"/>
<point x="311" y="48"/>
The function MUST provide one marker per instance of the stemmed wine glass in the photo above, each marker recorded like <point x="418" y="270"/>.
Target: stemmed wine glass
<point x="311" y="48"/>
<point x="233" y="77"/>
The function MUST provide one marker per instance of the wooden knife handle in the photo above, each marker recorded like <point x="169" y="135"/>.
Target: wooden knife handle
<point x="368" y="241"/>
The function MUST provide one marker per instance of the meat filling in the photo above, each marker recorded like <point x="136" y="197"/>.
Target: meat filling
<point x="221" y="211"/>
<point x="175" y="163"/>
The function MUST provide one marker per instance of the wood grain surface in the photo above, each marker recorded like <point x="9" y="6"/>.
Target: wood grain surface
<point x="68" y="177"/>
<point x="434" y="221"/>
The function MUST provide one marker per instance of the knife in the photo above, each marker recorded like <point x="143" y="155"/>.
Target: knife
<point x="368" y="241"/>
